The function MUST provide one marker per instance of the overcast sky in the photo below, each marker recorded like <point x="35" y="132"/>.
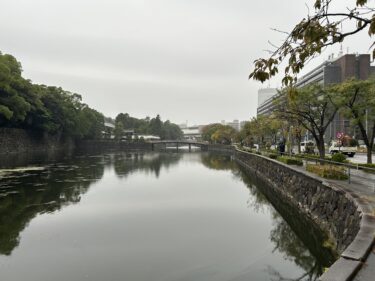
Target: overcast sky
<point x="184" y="59"/>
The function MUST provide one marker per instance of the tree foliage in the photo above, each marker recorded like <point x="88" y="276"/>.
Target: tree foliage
<point x="41" y="108"/>
<point x="312" y="35"/>
<point x="312" y="107"/>
<point x="356" y="99"/>
<point x="154" y="126"/>
<point x="262" y="130"/>
<point x="218" y="133"/>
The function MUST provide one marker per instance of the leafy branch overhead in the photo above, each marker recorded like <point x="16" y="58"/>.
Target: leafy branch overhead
<point x="311" y="35"/>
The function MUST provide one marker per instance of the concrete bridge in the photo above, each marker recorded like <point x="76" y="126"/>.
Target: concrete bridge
<point x="179" y="143"/>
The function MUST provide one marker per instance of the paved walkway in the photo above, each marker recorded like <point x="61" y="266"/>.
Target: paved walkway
<point x="361" y="184"/>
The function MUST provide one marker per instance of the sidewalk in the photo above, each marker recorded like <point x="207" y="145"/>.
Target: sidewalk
<point x="362" y="187"/>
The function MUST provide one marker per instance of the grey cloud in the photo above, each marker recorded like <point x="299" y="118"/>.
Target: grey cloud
<point x="184" y="59"/>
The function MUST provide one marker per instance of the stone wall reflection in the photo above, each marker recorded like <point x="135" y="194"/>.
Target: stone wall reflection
<point x="48" y="182"/>
<point x="24" y="194"/>
<point x="291" y="232"/>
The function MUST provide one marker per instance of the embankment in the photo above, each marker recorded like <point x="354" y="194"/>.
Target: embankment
<point x="339" y="214"/>
<point x="22" y="141"/>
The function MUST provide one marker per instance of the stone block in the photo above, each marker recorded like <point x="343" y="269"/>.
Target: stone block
<point x="342" y="270"/>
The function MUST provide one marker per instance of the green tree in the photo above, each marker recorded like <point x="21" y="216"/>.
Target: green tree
<point x="218" y="133"/>
<point x="170" y="131"/>
<point x="13" y="105"/>
<point x="224" y="135"/>
<point x="357" y="100"/>
<point x="261" y="130"/>
<point x="312" y="34"/>
<point x="156" y="125"/>
<point x="42" y="108"/>
<point x="312" y="107"/>
<point x="119" y="130"/>
<point x="209" y="130"/>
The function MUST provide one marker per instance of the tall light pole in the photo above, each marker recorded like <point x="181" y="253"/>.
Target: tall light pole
<point x="366" y="121"/>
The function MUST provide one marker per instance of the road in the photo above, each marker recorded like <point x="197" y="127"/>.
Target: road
<point x="361" y="158"/>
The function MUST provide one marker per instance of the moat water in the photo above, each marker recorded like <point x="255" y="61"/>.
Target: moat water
<point x="148" y="217"/>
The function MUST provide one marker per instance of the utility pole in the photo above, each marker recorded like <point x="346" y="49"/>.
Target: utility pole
<point x="366" y="121"/>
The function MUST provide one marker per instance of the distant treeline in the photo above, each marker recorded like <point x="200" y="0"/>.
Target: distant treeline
<point x="42" y="108"/>
<point x="52" y="110"/>
<point x="147" y="126"/>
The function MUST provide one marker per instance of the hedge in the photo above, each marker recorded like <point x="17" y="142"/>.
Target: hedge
<point x="290" y="160"/>
<point x="328" y="171"/>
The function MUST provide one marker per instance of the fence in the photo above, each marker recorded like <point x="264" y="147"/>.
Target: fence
<point x="363" y="174"/>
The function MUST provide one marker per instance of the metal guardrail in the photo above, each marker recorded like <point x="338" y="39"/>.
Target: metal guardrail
<point x="350" y="167"/>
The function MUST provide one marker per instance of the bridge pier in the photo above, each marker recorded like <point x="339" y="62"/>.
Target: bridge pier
<point x="189" y="147"/>
<point x="177" y="146"/>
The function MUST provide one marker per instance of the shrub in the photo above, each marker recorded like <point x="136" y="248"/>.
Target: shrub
<point x="272" y="156"/>
<point x="328" y="171"/>
<point x="353" y="142"/>
<point x="290" y="160"/>
<point x="365" y="165"/>
<point x="338" y="157"/>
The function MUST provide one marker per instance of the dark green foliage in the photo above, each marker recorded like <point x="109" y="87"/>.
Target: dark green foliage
<point x="45" y="109"/>
<point x="368" y="165"/>
<point x="353" y="142"/>
<point x="273" y="156"/>
<point x="155" y="126"/>
<point x="338" y="157"/>
<point x="371" y="166"/>
<point x="290" y="160"/>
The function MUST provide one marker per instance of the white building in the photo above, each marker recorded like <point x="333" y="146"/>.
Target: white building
<point x="235" y="124"/>
<point x="265" y="94"/>
<point x="192" y="133"/>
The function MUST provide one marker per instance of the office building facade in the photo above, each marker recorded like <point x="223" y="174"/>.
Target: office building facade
<point x="332" y="71"/>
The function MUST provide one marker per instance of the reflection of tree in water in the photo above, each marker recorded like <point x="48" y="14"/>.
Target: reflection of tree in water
<point x="126" y="164"/>
<point x="293" y="235"/>
<point x="293" y="249"/>
<point x="218" y="161"/>
<point x="25" y="194"/>
<point x="223" y="161"/>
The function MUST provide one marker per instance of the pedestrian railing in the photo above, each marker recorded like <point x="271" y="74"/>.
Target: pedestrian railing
<point x="353" y="170"/>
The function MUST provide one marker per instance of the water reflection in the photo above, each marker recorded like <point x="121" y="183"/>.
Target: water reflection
<point x="126" y="164"/>
<point x="37" y="189"/>
<point x="27" y="192"/>
<point x="293" y="235"/>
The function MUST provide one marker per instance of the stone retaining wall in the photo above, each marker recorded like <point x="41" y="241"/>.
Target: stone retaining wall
<point x="338" y="212"/>
<point x="19" y="141"/>
<point x="220" y="148"/>
<point x="111" y="145"/>
<point x="330" y="208"/>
